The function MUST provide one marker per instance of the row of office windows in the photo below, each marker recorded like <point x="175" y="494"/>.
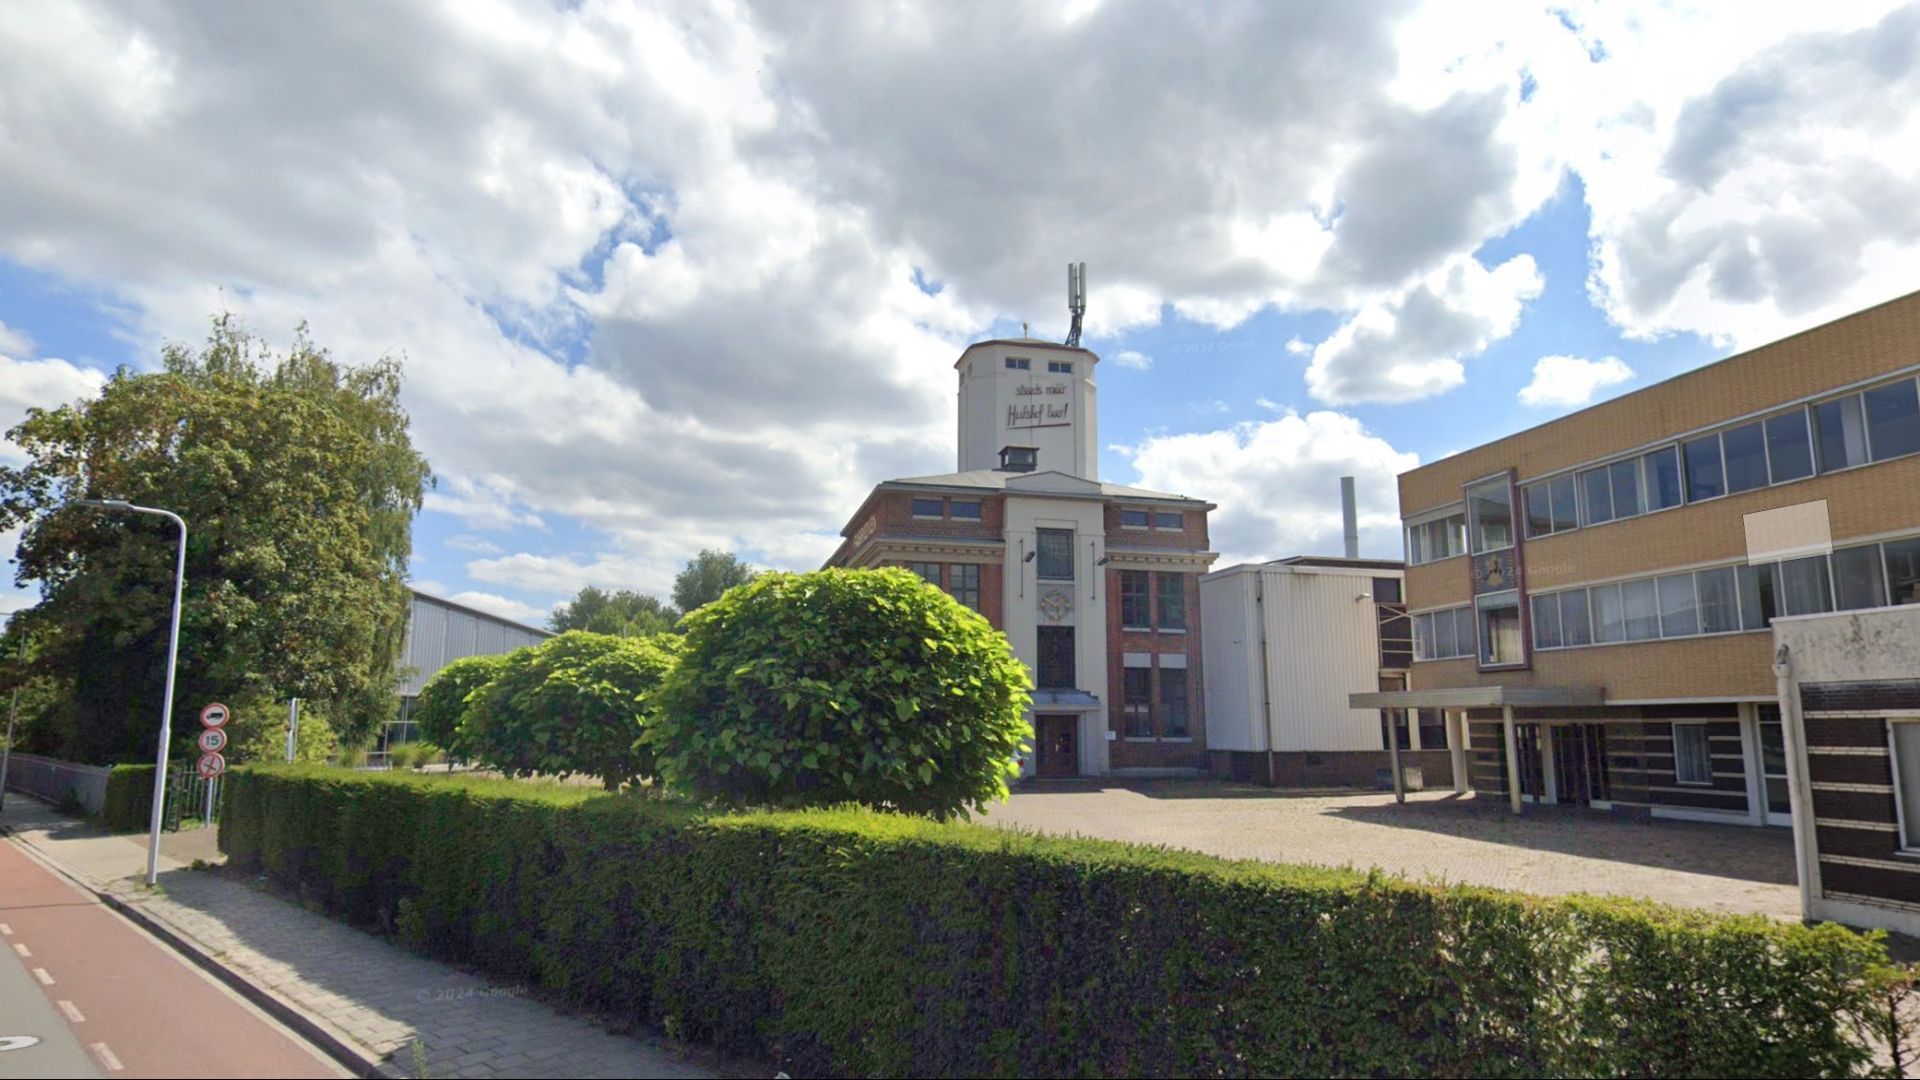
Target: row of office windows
<point x="1877" y="424"/>
<point x="1160" y="520"/>
<point x="939" y="509"/>
<point x="960" y="580"/>
<point x="1140" y="719"/>
<point x="1718" y="600"/>
<point x="1139" y="590"/>
<point x="1729" y="599"/>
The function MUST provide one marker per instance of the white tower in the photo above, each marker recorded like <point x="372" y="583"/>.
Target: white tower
<point x="1031" y="405"/>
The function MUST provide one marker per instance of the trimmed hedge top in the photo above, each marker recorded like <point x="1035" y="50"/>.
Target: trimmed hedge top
<point x="853" y="942"/>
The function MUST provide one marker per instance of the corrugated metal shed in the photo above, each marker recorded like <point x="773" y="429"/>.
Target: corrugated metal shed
<point x="440" y="631"/>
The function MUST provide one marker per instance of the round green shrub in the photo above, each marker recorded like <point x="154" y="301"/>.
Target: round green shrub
<point x="443" y="702"/>
<point x="865" y="686"/>
<point x="576" y="703"/>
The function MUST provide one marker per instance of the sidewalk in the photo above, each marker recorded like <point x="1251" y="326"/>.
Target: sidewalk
<point x="377" y="999"/>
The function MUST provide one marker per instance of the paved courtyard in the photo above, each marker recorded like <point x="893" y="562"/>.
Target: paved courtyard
<point x="1436" y="836"/>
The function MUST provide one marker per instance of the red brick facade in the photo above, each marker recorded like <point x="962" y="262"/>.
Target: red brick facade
<point x="1159" y="751"/>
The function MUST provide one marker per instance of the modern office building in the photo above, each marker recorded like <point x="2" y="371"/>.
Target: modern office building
<point x="1592" y="598"/>
<point x="1093" y="583"/>
<point x="1286" y="643"/>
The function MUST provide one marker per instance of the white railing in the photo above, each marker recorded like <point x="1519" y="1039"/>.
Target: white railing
<point x="55" y="780"/>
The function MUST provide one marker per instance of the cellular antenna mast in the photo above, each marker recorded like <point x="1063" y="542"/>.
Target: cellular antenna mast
<point x="1076" y="299"/>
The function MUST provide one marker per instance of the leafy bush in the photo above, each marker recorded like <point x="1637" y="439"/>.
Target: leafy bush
<point x="845" y="942"/>
<point x="576" y="703"/>
<point x="839" y="686"/>
<point x="129" y="802"/>
<point x="444" y="701"/>
<point x="258" y="732"/>
<point x="413" y="755"/>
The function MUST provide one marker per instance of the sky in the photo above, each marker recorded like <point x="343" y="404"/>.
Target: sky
<point x="679" y="276"/>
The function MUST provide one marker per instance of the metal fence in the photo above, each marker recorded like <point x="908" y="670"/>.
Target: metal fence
<point x="58" y="781"/>
<point x="191" y="799"/>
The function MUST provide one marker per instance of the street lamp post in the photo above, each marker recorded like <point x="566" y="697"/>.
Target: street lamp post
<point x="173" y="653"/>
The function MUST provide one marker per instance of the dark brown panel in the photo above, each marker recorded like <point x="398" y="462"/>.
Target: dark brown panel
<point x="1703" y="799"/>
<point x="1861" y="696"/>
<point x="1846" y="731"/>
<point x="1861" y="843"/>
<point x="1892" y="884"/>
<point x="1849" y="769"/>
<point x="1706" y="711"/>
<point x="1854" y="805"/>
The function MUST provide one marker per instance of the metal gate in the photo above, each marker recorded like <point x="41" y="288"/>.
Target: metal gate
<point x="1580" y="771"/>
<point x="191" y="800"/>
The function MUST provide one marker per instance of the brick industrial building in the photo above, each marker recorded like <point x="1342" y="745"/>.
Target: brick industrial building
<point x="1093" y="583"/>
<point x="1593" y="598"/>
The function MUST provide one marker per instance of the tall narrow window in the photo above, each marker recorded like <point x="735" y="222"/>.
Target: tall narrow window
<point x="1642" y="609"/>
<point x="1137" y="702"/>
<point x="963" y="583"/>
<point x="1443" y="636"/>
<point x="1903" y="571"/>
<point x="1905" y="737"/>
<point x="1173" y="703"/>
<point x="1893" y="420"/>
<point x="1746" y="450"/>
<point x="1692" y="754"/>
<point x="1804" y="587"/>
<point x="1840" y="433"/>
<point x="1759" y="595"/>
<point x="1598" y="492"/>
<point x="1500" y="630"/>
<point x="1609" y="617"/>
<point x="1546" y="622"/>
<point x="1490" y="516"/>
<point x="1856" y="578"/>
<point x="1662" y="470"/>
<point x="1056" y="658"/>
<point x="1679" y="615"/>
<point x="1626" y="487"/>
<point x="1537" y="502"/>
<point x="1705" y="478"/>
<point x="1575" y="627"/>
<point x="1173" y="602"/>
<point x="1789" y="451"/>
<point x="1719" y="601"/>
<point x="1135" y="613"/>
<point x="1056" y="553"/>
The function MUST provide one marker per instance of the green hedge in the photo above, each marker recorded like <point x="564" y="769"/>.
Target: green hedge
<point x="852" y="942"/>
<point x="129" y="803"/>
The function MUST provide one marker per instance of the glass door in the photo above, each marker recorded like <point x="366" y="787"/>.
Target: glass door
<point x="1773" y="765"/>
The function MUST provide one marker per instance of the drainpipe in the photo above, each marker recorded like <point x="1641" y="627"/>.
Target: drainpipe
<point x="1799" y="796"/>
<point x="1266" y="684"/>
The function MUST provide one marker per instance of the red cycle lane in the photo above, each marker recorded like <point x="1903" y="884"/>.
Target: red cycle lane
<point x="138" y="1008"/>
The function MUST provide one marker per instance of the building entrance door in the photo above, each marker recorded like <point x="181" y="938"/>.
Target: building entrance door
<point x="1580" y="764"/>
<point x="1533" y="782"/>
<point x="1058" y="752"/>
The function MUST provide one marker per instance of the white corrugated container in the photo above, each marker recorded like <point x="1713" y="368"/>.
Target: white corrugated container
<point x="1320" y="631"/>
<point x="441" y="631"/>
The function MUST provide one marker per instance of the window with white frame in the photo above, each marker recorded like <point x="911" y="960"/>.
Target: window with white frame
<point x="1903" y="737"/>
<point x="1692" y="754"/>
<point x="1500" y="642"/>
<point x="1490" y="516"/>
<point x="1439" y="538"/>
<point x="1443" y="635"/>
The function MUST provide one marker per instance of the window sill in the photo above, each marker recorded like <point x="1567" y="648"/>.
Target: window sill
<point x="1704" y="784"/>
<point x="1170" y="630"/>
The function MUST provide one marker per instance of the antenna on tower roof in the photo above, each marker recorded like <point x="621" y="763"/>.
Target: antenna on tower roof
<point x="1076" y="299"/>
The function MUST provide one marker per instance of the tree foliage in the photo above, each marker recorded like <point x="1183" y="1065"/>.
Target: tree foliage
<point x="443" y="703"/>
<point x="624" y="613"/>
<point x="258" y="733"/>
<point x="577" y="703"/>
<point x="707" y="576"/>
<point x="843" y="686"/>
<point x="299" y="484"/>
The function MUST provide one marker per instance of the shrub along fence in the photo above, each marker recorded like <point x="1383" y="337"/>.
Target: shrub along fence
<point x="855" y="942"/>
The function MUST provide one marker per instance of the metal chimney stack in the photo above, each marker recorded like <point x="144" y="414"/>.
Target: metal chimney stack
<point x="1350" y="517"/>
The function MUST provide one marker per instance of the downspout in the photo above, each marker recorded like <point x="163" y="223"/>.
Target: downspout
<point x="1266" y="690"/>
<point x="1799" y="796"/>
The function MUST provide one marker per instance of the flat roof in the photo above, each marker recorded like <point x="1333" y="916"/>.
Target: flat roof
<point x="1481" y="697"/>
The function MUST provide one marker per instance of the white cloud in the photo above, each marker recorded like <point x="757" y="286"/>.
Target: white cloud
<point x="1277" y="483"/>
<point x="502" y="606"/>
<point x="1572" y="380"/>
<point x="45" y="384"/>
<point x="475" y="545"/>
<point x="1128" y="358"/>
<point x="1411" y="346"/>
<point x="14" y="342"/>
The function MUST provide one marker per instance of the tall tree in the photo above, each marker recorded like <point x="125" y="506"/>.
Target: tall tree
<point x="299" y="484"/>
<point x="706" y="576"/>
<point x="624" y="613"/>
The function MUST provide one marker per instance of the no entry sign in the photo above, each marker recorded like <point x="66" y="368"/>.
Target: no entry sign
<point x="214" y="715"/>
<point x="210" y="766"/>
<point x="212" y="740"/>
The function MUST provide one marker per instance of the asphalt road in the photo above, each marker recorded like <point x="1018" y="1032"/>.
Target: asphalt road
<point x="102" y="998"/>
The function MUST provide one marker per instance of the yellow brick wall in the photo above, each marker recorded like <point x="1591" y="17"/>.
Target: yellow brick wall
<point x="1736" y="665"/>
<point x="1859" y="346"/>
